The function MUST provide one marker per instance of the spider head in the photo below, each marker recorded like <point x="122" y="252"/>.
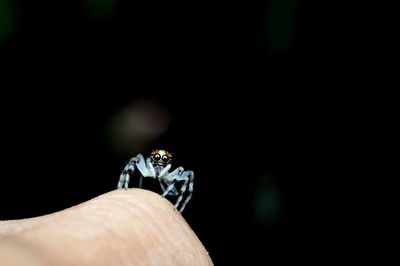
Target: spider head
<point x="160" y="157"/>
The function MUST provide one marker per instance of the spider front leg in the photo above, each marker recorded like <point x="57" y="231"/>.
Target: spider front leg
<point x="146" y="170"/>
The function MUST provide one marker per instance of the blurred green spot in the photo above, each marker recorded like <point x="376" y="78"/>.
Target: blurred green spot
<point x="267" y="202"/>
<point x="280" y="20"/>
<point x="101" y="9"/>
<point x="6" y="19"/>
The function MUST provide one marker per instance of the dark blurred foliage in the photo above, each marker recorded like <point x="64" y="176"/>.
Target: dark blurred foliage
<point x="243" y="93"/>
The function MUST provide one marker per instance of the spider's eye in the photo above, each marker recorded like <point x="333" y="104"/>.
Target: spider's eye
<point x="165" y="158"/>
<point x="157" y="157"/>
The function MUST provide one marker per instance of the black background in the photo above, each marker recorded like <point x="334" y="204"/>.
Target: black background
<point x="239" y="109"/>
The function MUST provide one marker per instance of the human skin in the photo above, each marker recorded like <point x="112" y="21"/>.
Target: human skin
<point x="122" y="227"/>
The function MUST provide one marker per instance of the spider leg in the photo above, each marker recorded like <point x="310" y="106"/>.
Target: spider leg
<point x="140" y="181"/>
<point x="162" y="186"/>
<point x="150" y="168"/>
<point x="179" y="175"/>
<point x="165" y="170"/>
<point x="171" y="179"/>
<point x="146" y="169"/>
<point x="140" y="163"/>
<point x="125" y="175"/>
<point x="186" y="176"/>
<point x="191" y="179"/>
<point x="162" y="175"/>
<point x="172" y="192"/>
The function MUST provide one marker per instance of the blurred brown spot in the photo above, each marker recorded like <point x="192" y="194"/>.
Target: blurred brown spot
<point x="138" y="125"/>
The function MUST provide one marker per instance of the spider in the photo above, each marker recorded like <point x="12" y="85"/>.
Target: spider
<point x="157" y="166"/>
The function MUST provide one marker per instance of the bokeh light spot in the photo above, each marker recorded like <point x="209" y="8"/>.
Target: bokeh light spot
<point x="100" y="9"/>
<point x="279" y="31"/>
<point x="137" y="126"/>
<point x="267" y="202"/>
<point x="7" y="19"/>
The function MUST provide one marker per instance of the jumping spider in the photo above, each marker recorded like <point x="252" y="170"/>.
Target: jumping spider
<point x="157" y="166"/>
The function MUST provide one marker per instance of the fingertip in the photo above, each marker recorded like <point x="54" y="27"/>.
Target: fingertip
<point x="120" y="227"/>
<point x="151" y="225"/>
<point x="149" y="211"/>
